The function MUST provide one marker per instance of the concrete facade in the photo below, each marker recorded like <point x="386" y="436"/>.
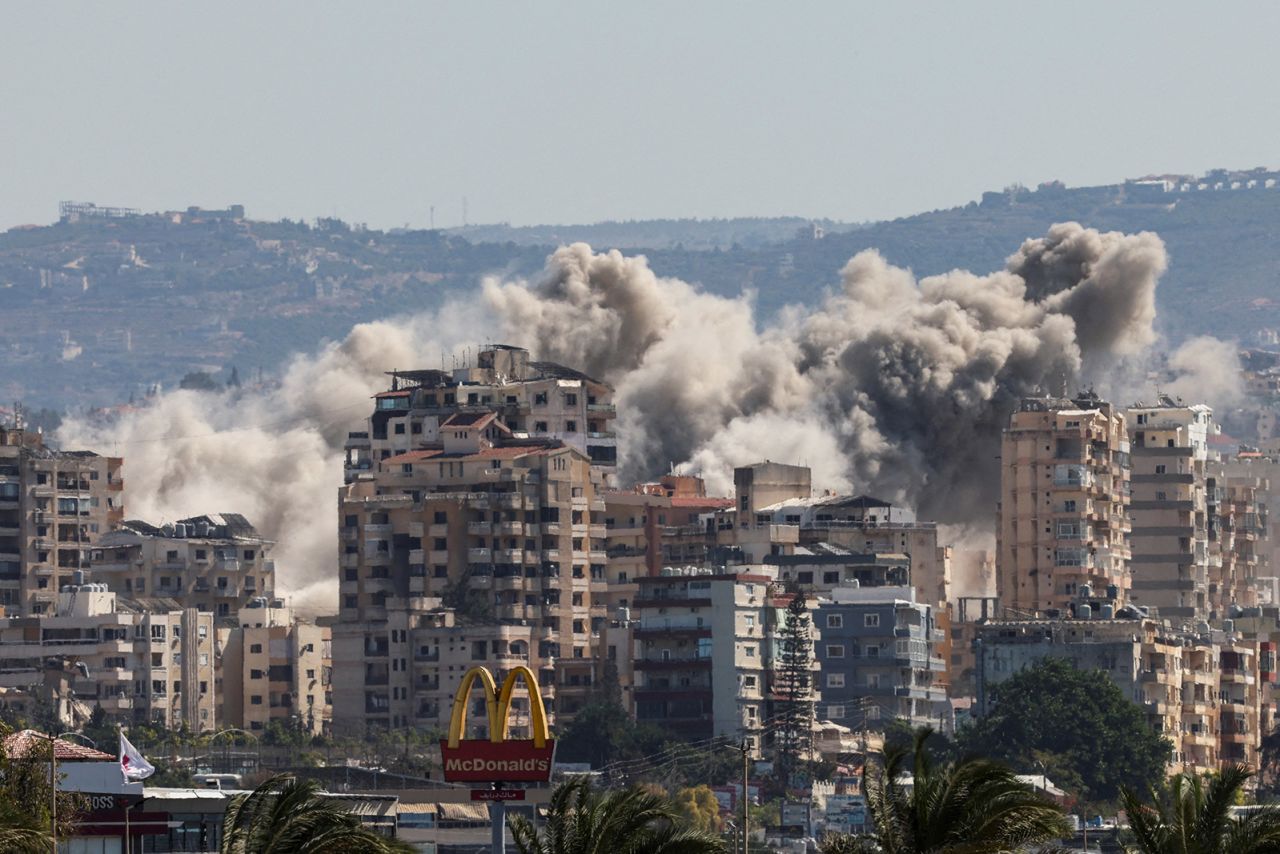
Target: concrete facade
<point x="216" y="563"/>
<point x="1063" y="513"/>
<point x="138" y="665"/>
<point x="54" y="505"/>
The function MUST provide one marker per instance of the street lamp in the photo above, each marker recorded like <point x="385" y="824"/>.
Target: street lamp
<point x="53" y="781"/>
<point x="236" y="731"/>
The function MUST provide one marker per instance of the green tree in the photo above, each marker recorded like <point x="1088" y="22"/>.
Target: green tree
<point x="583" y="821"/>
<point x="973" y="805"/>
<point x="285" y="815"/>
<point x="26" y="793"/>
<point x="795" y="687"/>
<point x="699" y="806"/>
<point x="199" y="381"/>
<point x="1190" y="817"/>
<point x="1075" y="723"/>
<point x="602" y="732"/>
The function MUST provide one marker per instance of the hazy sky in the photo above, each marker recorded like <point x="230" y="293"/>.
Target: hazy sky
<point x="576" y="112"/>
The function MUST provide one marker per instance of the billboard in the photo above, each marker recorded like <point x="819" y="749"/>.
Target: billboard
<point x="498" y="759"/>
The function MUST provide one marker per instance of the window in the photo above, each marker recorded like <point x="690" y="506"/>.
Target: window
<point x="255" y="647"/>
<point x="256" y="700"/>
<point x="835" y="621"/>
<point x="1161" y="469"/>
<point x="835" y="650"/>
<point x="540" y="398"/>
<point x="835" y="680"/>
<point x="749" y="651"/>
<point x="873" y="650"/>
<point x="540" y="427"/>
<point x="871" y="621"/>
<point x="873" y="680"/>
<point x="571" y="426"/>
<point x="255" y="674"/>
<point x="835" y="712"/>
<point x="570" y="400"/>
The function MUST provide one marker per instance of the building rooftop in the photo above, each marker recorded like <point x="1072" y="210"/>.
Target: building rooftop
<point x="29" y="743"/>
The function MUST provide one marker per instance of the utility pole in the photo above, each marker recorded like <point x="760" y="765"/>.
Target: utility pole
<point x="53" y="790"/>
<point x="746" y="801"/>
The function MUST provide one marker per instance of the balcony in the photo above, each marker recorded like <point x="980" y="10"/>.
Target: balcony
<point x="479" y="529"/>
<point x="376" y="531"/>
<point x="479" y="556"/>
<point x="509" y="529"/>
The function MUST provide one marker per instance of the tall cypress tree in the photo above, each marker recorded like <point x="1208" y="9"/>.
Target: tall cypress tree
<point x="794" y="687"/>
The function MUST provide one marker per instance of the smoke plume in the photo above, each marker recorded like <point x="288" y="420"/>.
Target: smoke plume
<point x="892" y="385"/>
<point x="1208" y="371"/>
<point x="273" y="454"/>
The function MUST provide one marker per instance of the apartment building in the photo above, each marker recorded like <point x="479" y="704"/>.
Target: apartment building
<point x="702" y="653"/>
<point x="822" y="568"/>
<point x="274" y="667"/>
<point x="1063" y="514"/>
<point x="1240" y="697"/>
<point x="444" y="650"/>
<point x="530" y="398"/>
<point x="879" y="659"/>
<point x="93" y="649"/>
<point x="1240" y="570"/>
<point x="635" y="520"/>
<point x="216" y="563"/>
<point x="504" y="531"/>
<point x="1169" y="508"/>
<point x="868" y="525"/>
<point x="54" y="505"/>
<point x="1199" y="689"/>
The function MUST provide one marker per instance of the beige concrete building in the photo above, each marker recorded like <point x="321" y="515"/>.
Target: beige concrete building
<point x="703" y="647"/>
<point x="216" y="563"/>
<point x="531" y="398"/>
<point x="1169" y="508"/>
<point x="1200" y="690"/>
<point x="92" y="650"/>
<point x="1063" y="515"/>
<point x="866" y="525"/>
<point x="1240" y="571"/>
<point x="54" y="505"/>
<point x="274" y="667"/>
<point x="504" y="531"/>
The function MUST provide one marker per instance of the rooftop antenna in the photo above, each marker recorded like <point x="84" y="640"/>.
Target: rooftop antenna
<point x="433" y="218"/>
<point x="464" y="210"/>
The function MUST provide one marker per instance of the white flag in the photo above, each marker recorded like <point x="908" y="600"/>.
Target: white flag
<point x="133" y="763"/>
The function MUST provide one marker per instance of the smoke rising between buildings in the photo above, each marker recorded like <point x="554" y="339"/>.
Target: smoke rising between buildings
<point x="893" y="385"/>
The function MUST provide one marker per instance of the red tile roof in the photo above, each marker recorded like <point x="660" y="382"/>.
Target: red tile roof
<point x="469" y="419"/>
<point x="30" y="743"/>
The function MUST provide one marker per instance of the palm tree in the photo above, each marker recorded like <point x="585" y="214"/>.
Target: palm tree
<point x="583" y="821"/>
<point x="21" y="833"/>
<point x="973" y="806"/>
<point x="1195" y="818"/>
<point x="286" y="815"/>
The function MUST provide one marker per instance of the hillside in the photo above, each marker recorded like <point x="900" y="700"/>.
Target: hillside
<point x="94" y="311"/>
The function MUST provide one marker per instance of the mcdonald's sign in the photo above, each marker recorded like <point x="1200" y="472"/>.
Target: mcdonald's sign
<point x="497" y="759"/>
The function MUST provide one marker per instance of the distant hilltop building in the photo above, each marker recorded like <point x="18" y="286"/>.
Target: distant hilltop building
<point x="73" y="212"/>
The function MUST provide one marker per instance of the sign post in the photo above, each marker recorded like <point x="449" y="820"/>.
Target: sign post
<point x="497" y="759"/>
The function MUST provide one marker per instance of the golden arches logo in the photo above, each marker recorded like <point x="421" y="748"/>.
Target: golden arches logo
<point x="498" y="705"/>
<point x="497" y="758"/>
